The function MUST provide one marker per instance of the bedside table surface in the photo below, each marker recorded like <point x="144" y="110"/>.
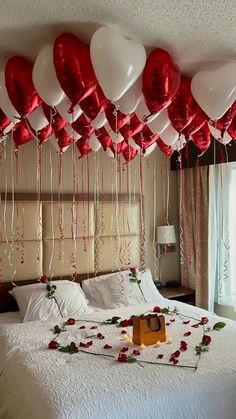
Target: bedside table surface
<point x="169" y="292"/>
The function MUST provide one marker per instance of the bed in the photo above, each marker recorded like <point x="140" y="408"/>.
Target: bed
<point x="39" y="383"/>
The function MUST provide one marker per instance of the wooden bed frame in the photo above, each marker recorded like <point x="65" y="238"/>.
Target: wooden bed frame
<point x="7" y="302"/>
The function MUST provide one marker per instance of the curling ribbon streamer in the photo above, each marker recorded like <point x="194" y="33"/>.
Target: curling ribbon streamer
<point x="142" y="245"/>
<point x="73" y="219"/>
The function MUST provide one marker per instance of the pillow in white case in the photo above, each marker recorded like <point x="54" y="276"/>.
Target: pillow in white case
<point x="149" y="294"/>
<point x="34" y="304"/>
<point x="106" y="291"/>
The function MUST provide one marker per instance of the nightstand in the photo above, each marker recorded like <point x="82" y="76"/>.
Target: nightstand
<point x="183" y="294"/>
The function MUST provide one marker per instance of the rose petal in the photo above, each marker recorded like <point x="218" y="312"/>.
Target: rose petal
<point x="160" y="356"/>
<point x="187" y="334"/>
<point x="136" y="352"/>
<point x="107" y="346"/>
<point x="93" y="327"/>
<point x="123" y="332"/>
<point x="176" y="354"/>
<point x="124" y="349"/>
<point x="185" y="321"/>
<point x="172" y="320"/>
<point x="167" y="324"/>
<point x="82" y="327"/>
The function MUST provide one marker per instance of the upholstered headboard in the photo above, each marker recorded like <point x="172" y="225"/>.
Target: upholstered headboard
<point x="53" y="238"/>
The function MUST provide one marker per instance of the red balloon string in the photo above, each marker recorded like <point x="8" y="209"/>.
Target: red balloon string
<point x="60" y="210"/>
<point x="73" y="219"/>
<point x="39" y="201"/>
<point x="142" y="244"/>
<point x="88" y="180"/>
<point x="83" y="204"/>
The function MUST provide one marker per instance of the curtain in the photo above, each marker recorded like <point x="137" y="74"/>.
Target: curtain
<point x="193" y="209"/>
<point x="222" y="235"/>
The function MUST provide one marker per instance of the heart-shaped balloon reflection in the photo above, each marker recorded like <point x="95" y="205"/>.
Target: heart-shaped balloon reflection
<point x="117" y="62"/>
<point x="215" y="91"/>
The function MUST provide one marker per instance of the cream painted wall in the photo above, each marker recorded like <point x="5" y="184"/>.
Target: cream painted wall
<point x="154" y="177"/>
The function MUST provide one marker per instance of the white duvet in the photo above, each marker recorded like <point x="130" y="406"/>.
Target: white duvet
<point x="38" y="383"/>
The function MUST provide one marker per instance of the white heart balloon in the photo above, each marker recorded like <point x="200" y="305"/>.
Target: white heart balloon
<point x="37" y="119"/>
<point x="8" y="128"/>
<point x="5" y="103"/>
<point x="169" y="136"/>
<point x="150" y="149"/>
<point x="128" y="103"/>
<point x="99" y="121"/>
<point x="217" y="135"/>
<point x="93" y="142"/>
<point x="115" y="136"/>
<point x="142" y="112"/>
<point x="133" y="144"/>
<point x="63" y="109"/>
<point x="180" y="143"/>
<point x="117" y="62"/>
<point x="160" y="123"/>
<point x="70" y="131"/>
<point x="45" y="78"/>
<point x="215" y="91"/>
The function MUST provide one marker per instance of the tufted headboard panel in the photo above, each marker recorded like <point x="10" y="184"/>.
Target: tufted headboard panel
<point x="53" y="238"/>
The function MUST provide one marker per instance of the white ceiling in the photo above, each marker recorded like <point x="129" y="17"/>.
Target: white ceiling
<point x="196" y="32"/>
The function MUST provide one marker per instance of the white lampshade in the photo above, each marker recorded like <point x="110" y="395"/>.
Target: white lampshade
<point x="166" y="234"/>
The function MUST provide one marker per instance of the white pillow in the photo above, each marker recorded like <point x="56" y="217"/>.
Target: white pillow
<point x="117" y="290"/>
<point x="106" y="291"/>
<point x="34" y="304"/>
<point x="149" y="292"/>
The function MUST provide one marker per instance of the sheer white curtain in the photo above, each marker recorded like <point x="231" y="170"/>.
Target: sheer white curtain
<point x="222" y="236"/>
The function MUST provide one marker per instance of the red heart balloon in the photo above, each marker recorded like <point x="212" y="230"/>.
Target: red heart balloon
<point x="83" y="127"/>
<point x="197" y="122"/>
<point x="63" y="139"/>
<point x="166" y="149"/>
<point x="132" y="127"/>
<point x="21" y="134"/>
<point x="224" y="122"/>
<point x="161" y="79"/>
<point x="129" y="153"/>
<point x="94" y="104"/>
<point x="104" y="138"/>
<point x="115" y="118"/>
<point x="83" y="147"/>
<point x="232" y="129"/>
<point x="43" y="134"/>
<point x="53" y="117"/>
<point x="145" y="137"/>
<point x="74" y="67"/>
<point x="4" y="121"/>
<point x="19" y="84"/>
<point x="183" y="107"/>
<point x="202" y="138"/>
<point x="118" y="148"/>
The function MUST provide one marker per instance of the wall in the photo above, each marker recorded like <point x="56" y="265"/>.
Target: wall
<point x="102" y="171"/>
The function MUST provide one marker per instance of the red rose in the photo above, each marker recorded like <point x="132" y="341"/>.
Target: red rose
<point x="156" y="309"/>
<point x="124" y="323"/>
<point x="107" y="346"/>
<point x="136" y="352"/>
<point x="44" y="279"/>
<point x="124" y="349"/>
<point x="204" y="320"/>
<point x="206" y="340"/>
<point x="130" y="322"/>
<point x="123" y="332"/>
<point x="53" y="344"/>
<point x="133" y="270"/>
<point x="70" y="322"/>
<point x="160" y="356"/>
<point x="122" y="358"/>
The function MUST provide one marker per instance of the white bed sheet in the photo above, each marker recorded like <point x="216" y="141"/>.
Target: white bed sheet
<point x="37" y="383"/>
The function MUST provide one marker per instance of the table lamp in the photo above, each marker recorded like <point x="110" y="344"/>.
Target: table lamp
<point x="165" y="238"/>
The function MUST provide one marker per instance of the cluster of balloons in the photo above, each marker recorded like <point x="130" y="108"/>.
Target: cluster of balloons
<point x="110" y="95"/>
